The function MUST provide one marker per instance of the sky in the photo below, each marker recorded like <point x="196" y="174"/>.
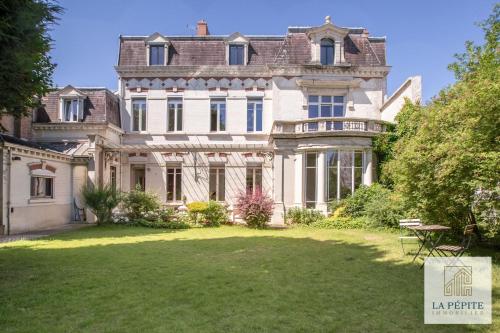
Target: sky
<point x="422" y="36"/>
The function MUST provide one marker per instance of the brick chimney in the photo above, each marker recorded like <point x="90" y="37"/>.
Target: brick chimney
<point x="202" y="28"/>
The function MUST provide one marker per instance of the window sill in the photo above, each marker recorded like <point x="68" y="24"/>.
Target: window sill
<point x="41" y="200"/>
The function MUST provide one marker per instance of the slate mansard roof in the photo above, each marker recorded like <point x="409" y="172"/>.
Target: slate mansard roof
<point x="291" y="49"/>
<point x="100" y="106"/>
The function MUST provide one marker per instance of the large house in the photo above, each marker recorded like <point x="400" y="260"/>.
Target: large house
<point x="205" y="117"/>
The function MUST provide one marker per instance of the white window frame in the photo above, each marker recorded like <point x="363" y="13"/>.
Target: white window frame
<point x="36" y="196"/>
<point x="319" y="103"/>
<point x="177" y="170"/>
<point x="165" y="53"/>
<point x="353" y="167"/>
<point x="218" y="102"/>
<point x="218" y="169"/>
<point x="140" y="130"/>
<point x="176" y="102"/>
<point x="253" y="169"/>
<point x="255" y="101"/>
<point x="315" y="177"/>
<point x="79" y="109"/>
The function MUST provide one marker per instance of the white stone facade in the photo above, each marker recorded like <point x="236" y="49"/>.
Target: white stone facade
<point x="302" y="131"/>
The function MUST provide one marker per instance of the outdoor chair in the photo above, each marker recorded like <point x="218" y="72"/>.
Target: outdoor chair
<point x="458" y="250"/>
<point x="404" y="232"/>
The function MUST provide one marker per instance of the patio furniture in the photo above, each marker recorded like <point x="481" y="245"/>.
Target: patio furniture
<point x="425" y="234"/>
<point x="403" y="230"/>
<point x="458" y="250"/>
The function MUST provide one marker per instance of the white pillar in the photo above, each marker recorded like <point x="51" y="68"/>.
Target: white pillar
<point x="299" y="165"/>
<point x="368" y="167"/>
<point x="320" y="177"/>
<point x="278" y="213"/>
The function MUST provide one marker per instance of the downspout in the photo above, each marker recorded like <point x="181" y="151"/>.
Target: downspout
<point x="9" y="163"/>
<point x="2" y="231"/>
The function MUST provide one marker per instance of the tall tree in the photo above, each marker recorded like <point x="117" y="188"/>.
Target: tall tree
<point x="452" y="155"/>
<point x="25" y="66"/>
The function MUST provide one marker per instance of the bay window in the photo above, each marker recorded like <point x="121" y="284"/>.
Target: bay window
<point x="310" y="194"/>
<point x="344" y="173"/>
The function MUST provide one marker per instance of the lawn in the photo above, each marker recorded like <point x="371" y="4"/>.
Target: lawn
<point x="228" y="279"/>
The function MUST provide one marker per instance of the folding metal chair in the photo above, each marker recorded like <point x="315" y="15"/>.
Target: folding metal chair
<point x="458" y="250"/>
<point x="403" y="230"/>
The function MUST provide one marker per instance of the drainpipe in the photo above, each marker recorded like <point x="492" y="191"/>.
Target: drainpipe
<point x="9" y="163"/>
<point x="2" y="231"/>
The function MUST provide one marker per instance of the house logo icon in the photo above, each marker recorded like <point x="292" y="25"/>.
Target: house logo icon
<point x="457" y="280"/>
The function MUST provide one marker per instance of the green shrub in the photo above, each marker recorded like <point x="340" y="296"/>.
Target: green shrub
<point x="356" y="203"/>
<point x="386" y="210"/>
<point x="299" y="215"/>
<point x="101" y="201"/>
<point x="159" y="224"/>
<point x="137" y="202"/>
<point x="215" y="214"/>
<point x="196" y="210"/>
<point x="342" y="223"/>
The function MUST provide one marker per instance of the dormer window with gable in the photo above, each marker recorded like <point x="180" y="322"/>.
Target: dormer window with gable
<point x="327" y="44"/>
<point x="71" y="104"/>
<point x="237" y="49"/>
<point x="72" y="109"/>
<point x="157" y="50"/>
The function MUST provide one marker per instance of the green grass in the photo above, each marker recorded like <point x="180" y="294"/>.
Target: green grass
<point x="228" y="279"/>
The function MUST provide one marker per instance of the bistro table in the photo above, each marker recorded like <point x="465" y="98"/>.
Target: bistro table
<point x="425" y="235"/>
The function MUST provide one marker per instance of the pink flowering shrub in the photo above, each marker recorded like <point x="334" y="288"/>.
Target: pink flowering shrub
<point x="255" y="208"/>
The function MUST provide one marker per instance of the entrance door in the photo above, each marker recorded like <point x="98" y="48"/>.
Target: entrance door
<point x="138" y="175"/>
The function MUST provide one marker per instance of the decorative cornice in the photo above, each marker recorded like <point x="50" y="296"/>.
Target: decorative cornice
<point x="264" y="71"/>
<point x="65" y="126"/>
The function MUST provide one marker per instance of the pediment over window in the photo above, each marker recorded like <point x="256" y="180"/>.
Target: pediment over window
<point x="327" y="32"/>
<point x="157" y="38"/>
<point x="237" y="38"/>
<point x="70" y="91"/>
<point x="236" y="49"/>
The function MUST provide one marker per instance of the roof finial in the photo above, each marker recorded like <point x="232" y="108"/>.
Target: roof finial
<point x="328" y="19"/>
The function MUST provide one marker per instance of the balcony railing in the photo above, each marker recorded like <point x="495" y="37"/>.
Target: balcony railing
<point x="328" y="125"/>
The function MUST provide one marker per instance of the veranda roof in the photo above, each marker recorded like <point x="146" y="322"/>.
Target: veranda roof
<point x="186" y="147"/>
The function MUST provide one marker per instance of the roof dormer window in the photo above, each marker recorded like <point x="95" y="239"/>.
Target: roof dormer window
<point x="327" y="51"/>
<point x="72" y="109"/>
<point x="236" y="54"/>
<point x="157" y="50"/>
<point x="157" y="55"/>
<point x="71" y="104"/>
<point x="327" y="43"/>
<point x="237" y="49"/>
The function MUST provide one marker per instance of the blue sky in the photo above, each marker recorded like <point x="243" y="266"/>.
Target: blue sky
<point x="422" y="36"/>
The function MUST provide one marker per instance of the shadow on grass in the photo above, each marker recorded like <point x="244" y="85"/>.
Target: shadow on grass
<point x="235" y="284"/>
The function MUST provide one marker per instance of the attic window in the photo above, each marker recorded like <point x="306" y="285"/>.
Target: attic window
<point x="157" y="55"/>
<point x="72" y="110"/>
<point x="236" y="54"/>
<point x="327" y="51"/>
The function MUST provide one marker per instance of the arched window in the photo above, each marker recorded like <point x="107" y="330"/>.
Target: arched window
<point x="327" y="51"/>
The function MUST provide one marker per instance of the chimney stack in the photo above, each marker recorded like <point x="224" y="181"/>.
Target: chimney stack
<point x="202" y="28"/>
